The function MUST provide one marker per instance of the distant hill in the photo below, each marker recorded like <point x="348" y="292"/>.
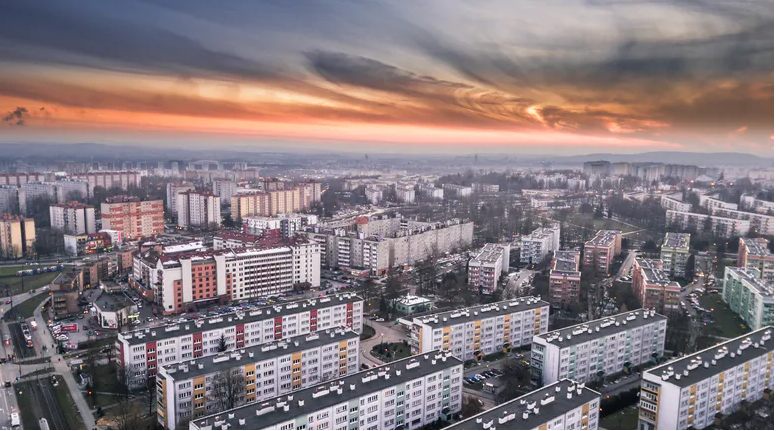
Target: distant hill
<point x="677" y="157"/>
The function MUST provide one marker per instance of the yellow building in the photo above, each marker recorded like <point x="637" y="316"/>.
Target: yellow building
<point x="17" y="236"/>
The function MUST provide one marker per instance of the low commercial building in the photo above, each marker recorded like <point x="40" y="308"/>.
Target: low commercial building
<point x="601" y="250"/>
<point x="115" y="310"/>
<point x="563" y="405"/>
<point x="412" y="304"/>
<point x="187" y="390"/>
<point x="73" y="218"/>
<point x="753" y="253"/>
<point x="406" y="394"/>
<point x="83" y="244"/>
<point x="565" y="278"/>
<point x="653" y="288"/>
<point x="471" y="333"/>
<point x="604" y="346"/>
<point x="486" y="268"/>
<point x="695" y="222"/>
<point x="17" y="236"/>
<point x="689" y="392"/>
<point x="749" y="296"/>
<point x="142" y="351"/>
<point x="675" y="252"/>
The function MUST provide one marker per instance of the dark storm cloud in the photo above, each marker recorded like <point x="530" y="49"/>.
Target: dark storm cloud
<point x="16" y="117"/>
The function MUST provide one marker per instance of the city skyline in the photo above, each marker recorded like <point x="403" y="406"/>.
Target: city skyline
<point x="439" y="77"/>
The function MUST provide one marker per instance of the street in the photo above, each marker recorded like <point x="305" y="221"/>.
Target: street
<point x="626" y="264"/>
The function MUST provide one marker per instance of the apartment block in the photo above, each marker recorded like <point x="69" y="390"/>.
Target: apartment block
<point x="133" y="217"/>
<point x="565" y="278"/>
<point x="288" y="224"/>
<point x="675" y="252"/>
<point x="753" y="253"/>
<point x="689" y="392"/>
<point x="70" y="189"/>
<point x="17" y="236"/>
<point x="23" y="178"/>
<point x="711" y="203"/>
<point x="671" y="203"/>
<point x="750" y="203"/>
<point x="173" y="189"/>
<point x="271" y="202"/>
<point x="471" y="333"/>
<point x="749" y="296"/>
<point x="653" y="288"/>
<point x="198" y="209"/>
<point x="224" y="189"/>
<point x="563" y="405"/>
<point x="73" y="218"/>
<point x="486" y="268"/>
<point x="540" y="243"/>
<point x="406" y="394"/>
<point x="607" y="345"/>
<point x="600" y="251"/>
<point x="144" y="350"/>
<point x="695" y="222"/>
<point x="457" y="191"/>
<point x="12" y="200"/>
<point x="191" y="389"/>
<point x="761" y="224"/>
<point x="108" y="180"/>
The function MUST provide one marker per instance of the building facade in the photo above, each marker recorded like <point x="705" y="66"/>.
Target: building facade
<point x="173" y="189"/>
<point x="565" y="278"/>
<point x="471" y="333"/>
<point x="539" y="244"/>
<point x="406" y="394"/>
<point x="671" y="203"/>
<point x="753" y="253"/>
<point x="600" y="251"/>
<point x="675" y="252"/>
<point x="17" y="236"/>
<point x="749" y="296"/>
<point x="653" y="288"/>
<point x="73" y="218"/>
<point x="108" y="180"/>
<point x="695" y="222"/>
<point x="760" y="224"/>
<point x="606" y="345"/>
<point x="486" y="268"/>
<point x="133" y="217"/>
<point x="198" y="209"/>
<point x="689" y="392"/>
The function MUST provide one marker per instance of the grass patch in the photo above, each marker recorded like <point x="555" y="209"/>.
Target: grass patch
<point x="67" y="405"/>
<point x="35" y="361"/>
<point x="44" y="371"/>
<point x="625" y="419"/>
<point x="105" y="378"/>
<point x="726" y="323"/>
<point x="26" y="308"/>
<point x="98" y="342"/>
<point x="612" y="224"/>
<point x="9" y="279"/>
<point x="26" y="401"/>
<point x="391" y="351"/>
<point x="367" y="332"/>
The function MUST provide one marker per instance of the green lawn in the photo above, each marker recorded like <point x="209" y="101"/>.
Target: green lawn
<point x="625" y="419"/>
<point x="9" y="280"/>
<point x="612" y="224"/>
<point x="726" y="323"/>
<point x="26" y="308"/>
<point x="398" y="351"/>
<point x="367" y="332"/>
<point x="67" y="405"/>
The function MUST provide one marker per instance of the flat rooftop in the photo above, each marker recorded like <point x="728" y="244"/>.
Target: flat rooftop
<point x="654" y="274"/>
<point x="676" y="240"/>
<point x="191" y="326"/>
<point x="703" y="364"/>
<point x="551" y="401"/>
<point x="757" y="246"/>
<point x="226" y="361"/>
<point x="603" y="237"/>
<point x="490" y="253"/>
<point x="412" y="300"/>
<point x="764" y="287"/>
<point x="112" y="301"/>
<point x="566" y="262"/>
<point x="480" y="312"/>
<point x="595" y="329"/>
<point x="263" y="415"/>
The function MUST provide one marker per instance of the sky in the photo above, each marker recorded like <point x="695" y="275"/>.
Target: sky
<point x="450" y="76"/>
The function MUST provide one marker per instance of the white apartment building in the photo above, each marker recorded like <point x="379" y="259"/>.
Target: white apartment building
<point x="749" y="296"/>
<point x="145" y="350"/>
<point x="540" y="243"/>
<point x="563" y="405"/>
<point x="473" y="332"/>
<point x="172" y="194"/>
<point x="753" y="253"/>
<point x="579" y="352"/>
<point x="711" y="203"/>
<point x="224" y="189"/>
<point x="186" y="391"/>
<point x="374" y="195"/>
<point x="68" y="189"/>
<point x="406" y="394"/>
<point x="762" y="224"/>
<point x="486" y="268"/>
<point x="720" y="225"/>
<point x="750" y="203"/>
<point x="432" y="192"/>
<point x="12" y="200"/>
<point x="690" y="391"/>
<point x="198" y="209"/>
<point x="406" y="195"/>
<point x="287" y="224"/>
<point x="670" y="203"/>
<point x="108" y="180"/>
<point x="675" y="252"/>
<point x="73" y="218"/>
<point x="457" y="191"/>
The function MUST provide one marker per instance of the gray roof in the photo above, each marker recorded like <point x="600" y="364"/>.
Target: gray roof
<point x="752" y="279"/>
<point x="757" y="246"/>
<point x="654" y="273"/>
<point x="676" y="240"/>
<point x="603" y="237"/>
<point x="719" y="358"/>
<point x="112" y="301"/>
<point x="566" y="262"/>
<point x="513" y="413"/>
<point x="573" y="335"/>
<point x="455" y="317"/>
<point x="210" y="364"/>
<point x="326" y="394"/>
<point x="231" y="319"/>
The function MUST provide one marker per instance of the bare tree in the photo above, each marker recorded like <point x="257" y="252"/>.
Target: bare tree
<point x="228" y="389"/>
<point x="128" y="415"/>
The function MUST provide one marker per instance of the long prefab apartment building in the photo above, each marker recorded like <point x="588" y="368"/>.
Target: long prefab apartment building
<point x="563" y="405"/>
<point x="690" y="391"/>
<point x="142" y="352"/>
<point x="193" y="389"/>
<point x="406" y="394"/>
<point x="579" y="352"/>
<point x="470" y="333"/>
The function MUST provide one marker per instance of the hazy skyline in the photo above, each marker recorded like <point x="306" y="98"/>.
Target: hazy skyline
<point x="566" y="77"/>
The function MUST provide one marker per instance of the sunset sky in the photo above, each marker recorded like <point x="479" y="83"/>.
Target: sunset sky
<point x="548" y="77"/>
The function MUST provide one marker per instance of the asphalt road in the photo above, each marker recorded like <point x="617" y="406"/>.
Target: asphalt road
<point x="626" y="264"/>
